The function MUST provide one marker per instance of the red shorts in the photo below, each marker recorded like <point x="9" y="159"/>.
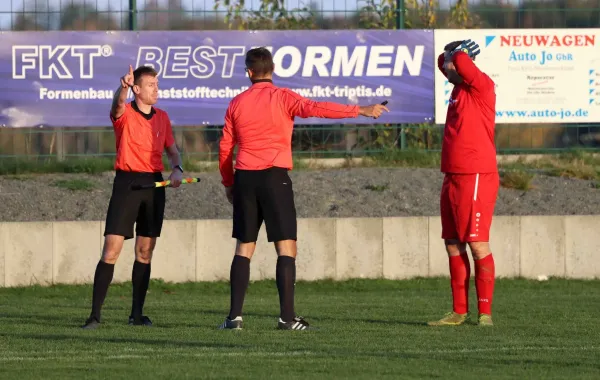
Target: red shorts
<point x="467" y="205"/>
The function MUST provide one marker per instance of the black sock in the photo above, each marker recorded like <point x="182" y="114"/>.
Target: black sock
<point x="140" y="277"/>
<point x="286" y="277"/>
<point x="102" y="279"/>
<point x="239" y="278"/>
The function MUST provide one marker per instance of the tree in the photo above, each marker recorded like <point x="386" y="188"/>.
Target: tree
<point x="271" y="15"/>
<point x="35" y="15"/>
<point x="85" y="17"/>
<point x="418" y="14"/>
<point x="174" y="16"/>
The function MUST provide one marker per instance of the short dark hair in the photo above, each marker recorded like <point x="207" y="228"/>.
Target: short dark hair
<point x="452" y="45"/>
<point x="260" y="61"/>
<point x="141" y="71"/>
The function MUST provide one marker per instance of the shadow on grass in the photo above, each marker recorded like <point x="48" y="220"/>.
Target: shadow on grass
<point x="154" y="342"/>
<point x="223" y="313"/>
<point x="68" y="321"/>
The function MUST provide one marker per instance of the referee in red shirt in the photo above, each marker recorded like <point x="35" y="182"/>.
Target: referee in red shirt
<point x="142" y="133"/>
<point x="260" y="121"/>
<point x="471" y="181"/>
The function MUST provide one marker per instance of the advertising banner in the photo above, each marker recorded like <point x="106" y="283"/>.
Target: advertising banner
<point x="67" y="79"/>
<point x="541" y="75"/>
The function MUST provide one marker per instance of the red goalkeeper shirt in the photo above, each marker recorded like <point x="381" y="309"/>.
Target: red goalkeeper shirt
<point x="468" y="145"/>
<point x="261" y="120"/>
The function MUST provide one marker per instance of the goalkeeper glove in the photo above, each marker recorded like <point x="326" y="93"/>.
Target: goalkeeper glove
<point x="471" y="48"/>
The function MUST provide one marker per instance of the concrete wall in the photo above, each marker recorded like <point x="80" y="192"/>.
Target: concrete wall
<point x="394" y="248"/>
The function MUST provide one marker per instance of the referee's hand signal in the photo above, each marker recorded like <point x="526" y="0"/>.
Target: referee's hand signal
<point x="374" y="110"/>
<point x="127" y="79"/>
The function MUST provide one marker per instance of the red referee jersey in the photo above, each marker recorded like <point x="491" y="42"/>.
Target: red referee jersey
<point x="468" y="145"/>
<point x="260" y="120"/>
<point x="141" y="139"/>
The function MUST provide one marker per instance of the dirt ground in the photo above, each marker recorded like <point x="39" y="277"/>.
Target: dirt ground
<point x="354" y="192"/>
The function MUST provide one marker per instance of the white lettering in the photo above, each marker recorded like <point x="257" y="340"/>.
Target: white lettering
<point x="293" y="66"/>
<point x="86" y="56"/>
<point x="201" y="62"/>
<point x="413" y="63"/>
<point x="345" y="64"/>
<point x="316" y="57"/>
<point x="228" y="67"/>
<point x="205" y="66"/>
<point x="180" y="57"/>
<point x="57" y="62"/>
<point x="150" y="56"/>
<point x="316" y="91"/>
<point x="375" y="59"/>
<point x="46" y="94"/>
<point x="23" y="58"/>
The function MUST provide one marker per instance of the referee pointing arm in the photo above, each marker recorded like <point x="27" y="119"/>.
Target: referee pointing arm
<point x="260" y="121"/>
<point x="142" y="132"/>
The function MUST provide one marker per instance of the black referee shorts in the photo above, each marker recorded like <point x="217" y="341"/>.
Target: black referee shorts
<point x="145" y="208"/>
<point x="263" y="195"/>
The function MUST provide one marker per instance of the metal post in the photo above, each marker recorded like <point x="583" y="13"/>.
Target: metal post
<point x="400" y="25"/>
<point x="402" y="138"/>
<point x="60" y="145"/>
<point x="132" y="15"/>
<point x="399" y="14"/>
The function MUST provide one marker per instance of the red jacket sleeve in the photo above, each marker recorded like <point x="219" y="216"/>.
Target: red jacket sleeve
<point x="440" y="61"/>
<point x="297" y="105"/>
<point x="226" y="146"/>
<point x="466" y="68"/>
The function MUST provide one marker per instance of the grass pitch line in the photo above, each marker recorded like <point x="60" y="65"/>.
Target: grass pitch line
<point x="137" y="354"/>
<point x="206" y="353"/>
<point x="503" y="349"/>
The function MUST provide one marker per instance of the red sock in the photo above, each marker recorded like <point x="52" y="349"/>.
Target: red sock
<point x="485" y="271"/>
<point x="460" y="273"/>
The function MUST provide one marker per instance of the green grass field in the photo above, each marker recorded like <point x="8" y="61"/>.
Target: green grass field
<point x="367" y="329"/>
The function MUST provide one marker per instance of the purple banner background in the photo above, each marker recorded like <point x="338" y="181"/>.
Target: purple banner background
<point x="31" y="64"/>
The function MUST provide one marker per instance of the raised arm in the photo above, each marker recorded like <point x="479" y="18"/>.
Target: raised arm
<point x="440" y="61"/>
<point x="466" y="68"/>
<point x="226" y="146"/>
<point x="299" y="106"/>
<point x="120" y="98"/>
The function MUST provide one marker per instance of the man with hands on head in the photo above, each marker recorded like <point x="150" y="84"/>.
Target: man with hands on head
<point x="471" y="180"/>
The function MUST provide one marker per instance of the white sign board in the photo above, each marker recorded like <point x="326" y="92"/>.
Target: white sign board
<point x="541" y="75"/>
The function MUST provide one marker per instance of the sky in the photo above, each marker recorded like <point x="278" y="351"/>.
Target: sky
<point x="9" y="6"/>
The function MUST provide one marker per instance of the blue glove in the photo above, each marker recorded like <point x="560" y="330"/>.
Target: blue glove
<point x="469" y="47"/>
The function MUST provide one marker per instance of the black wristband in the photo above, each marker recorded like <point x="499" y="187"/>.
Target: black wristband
<point x="179" y="167"/>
